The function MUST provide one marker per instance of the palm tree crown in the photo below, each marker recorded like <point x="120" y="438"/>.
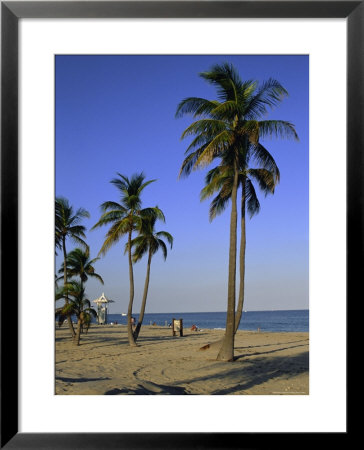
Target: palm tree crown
<point x="77" y="305"/>
<point x="125" y="216"/>
<point x="68" y="223"/>
<point x="79" y="264"/>
<point x="225" y="126"/>
<point x="150" y="241"/>
<point x="221" y="178"/>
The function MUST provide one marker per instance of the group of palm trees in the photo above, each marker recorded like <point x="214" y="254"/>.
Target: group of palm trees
<point x="76" y="268"/>
<point x="124" y="218"/>
<point x="228" y="130"/>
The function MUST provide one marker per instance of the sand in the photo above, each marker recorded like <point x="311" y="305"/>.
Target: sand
<point x="104" y="364"/>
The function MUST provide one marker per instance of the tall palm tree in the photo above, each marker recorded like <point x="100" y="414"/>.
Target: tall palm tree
<point x="67" y="225"/>
<point x="77" y="304"/>
<point x="79" y="264"/>
<point x="148" y="242"/>
<point x="223" y="129"/>
<point x="124" y="218"/>
<point x="220" y="180"/>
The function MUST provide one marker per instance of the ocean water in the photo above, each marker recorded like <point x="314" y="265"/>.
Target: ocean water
<point x="273" y="321"/>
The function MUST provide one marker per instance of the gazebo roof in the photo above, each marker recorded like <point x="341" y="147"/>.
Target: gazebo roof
<point x="103" y="299"/>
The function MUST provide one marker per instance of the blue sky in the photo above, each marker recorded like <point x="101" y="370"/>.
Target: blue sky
<point x="116" y="114"/>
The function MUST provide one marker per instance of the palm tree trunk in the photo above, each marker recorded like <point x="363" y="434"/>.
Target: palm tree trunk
<point x="81" y="284"/>
<point x="240" y="305"/>
<point x="69" y="318"/>
<point x="226" y="352"/>
<point x="239" y="309"/>
<point x="144" y="301"/>
<point x="131" y="297"/>
<point x="77" y="338"/>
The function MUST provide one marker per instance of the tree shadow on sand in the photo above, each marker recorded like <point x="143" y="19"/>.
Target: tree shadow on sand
<point x="252" y="373"/>
<point x="268" y="351"/>
<point x="154" y="339"/>
<point x="268" y="370"/>
<point x="149" y="388"/>
<point x="272" y="344"/>
<point x="80" y="380"/>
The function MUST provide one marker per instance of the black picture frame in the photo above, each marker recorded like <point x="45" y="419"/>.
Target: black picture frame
<point x="11" y="12"/>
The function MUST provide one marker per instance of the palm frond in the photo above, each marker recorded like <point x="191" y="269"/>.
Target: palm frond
<point x="77" y="230"/>
<point x="161" y="245"/>
<point x="113" y="236"/>
<point x="196" y="106"/>
<point x="144" y="185"/>
<point x="190" y="161"/>
<point x="218" y="206"/>
<point x="227" y="110"/>
<point x="141" y="247"/>
<point x="264" y="159"/>
<point x="250" y="129"/>
<point x="81" y="213"/>
<point x="152" y="214"/>
<point x="252" y="202"/>
<point x="215" y="147"/>
<point x="209" y="127"/>
<point x="78" y="241"/>
<point x="201" y="140"/>
<point x="265" y="180"/>
<point x="226" y="80"/>
<point x="113" y="206"/>
<point x="277" y="128"/>
<point x="121" y="183"/>
<point x="166" y="236"/>
<point x="109" y="217"/>
<point x="218" y="179"/>
<point x="268" y="95"/>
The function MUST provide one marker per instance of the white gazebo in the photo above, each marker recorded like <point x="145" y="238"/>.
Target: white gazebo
<point x="102" y="303"/>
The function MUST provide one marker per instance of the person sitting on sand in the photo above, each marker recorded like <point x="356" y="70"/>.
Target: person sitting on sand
<point x="194" y="328"/>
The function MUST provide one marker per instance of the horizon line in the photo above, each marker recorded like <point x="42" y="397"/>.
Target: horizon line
<point x="201" y="312"/>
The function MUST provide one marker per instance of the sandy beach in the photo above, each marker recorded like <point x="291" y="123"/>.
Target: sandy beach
<point x="104" y="364"/>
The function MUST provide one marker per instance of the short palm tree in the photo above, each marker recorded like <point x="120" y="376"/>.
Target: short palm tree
<point x="80" y="265"/>
<point x="223" y="129"/>
<point x="125" y="217"/>
<point x="77" y="305"/>
<point x="67" y="224"/>
<point x="148" y="242"/>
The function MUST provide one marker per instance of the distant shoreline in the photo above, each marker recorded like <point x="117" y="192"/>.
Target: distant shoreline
<point x="220" y="312"/>
<point x="274" y="321"/>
